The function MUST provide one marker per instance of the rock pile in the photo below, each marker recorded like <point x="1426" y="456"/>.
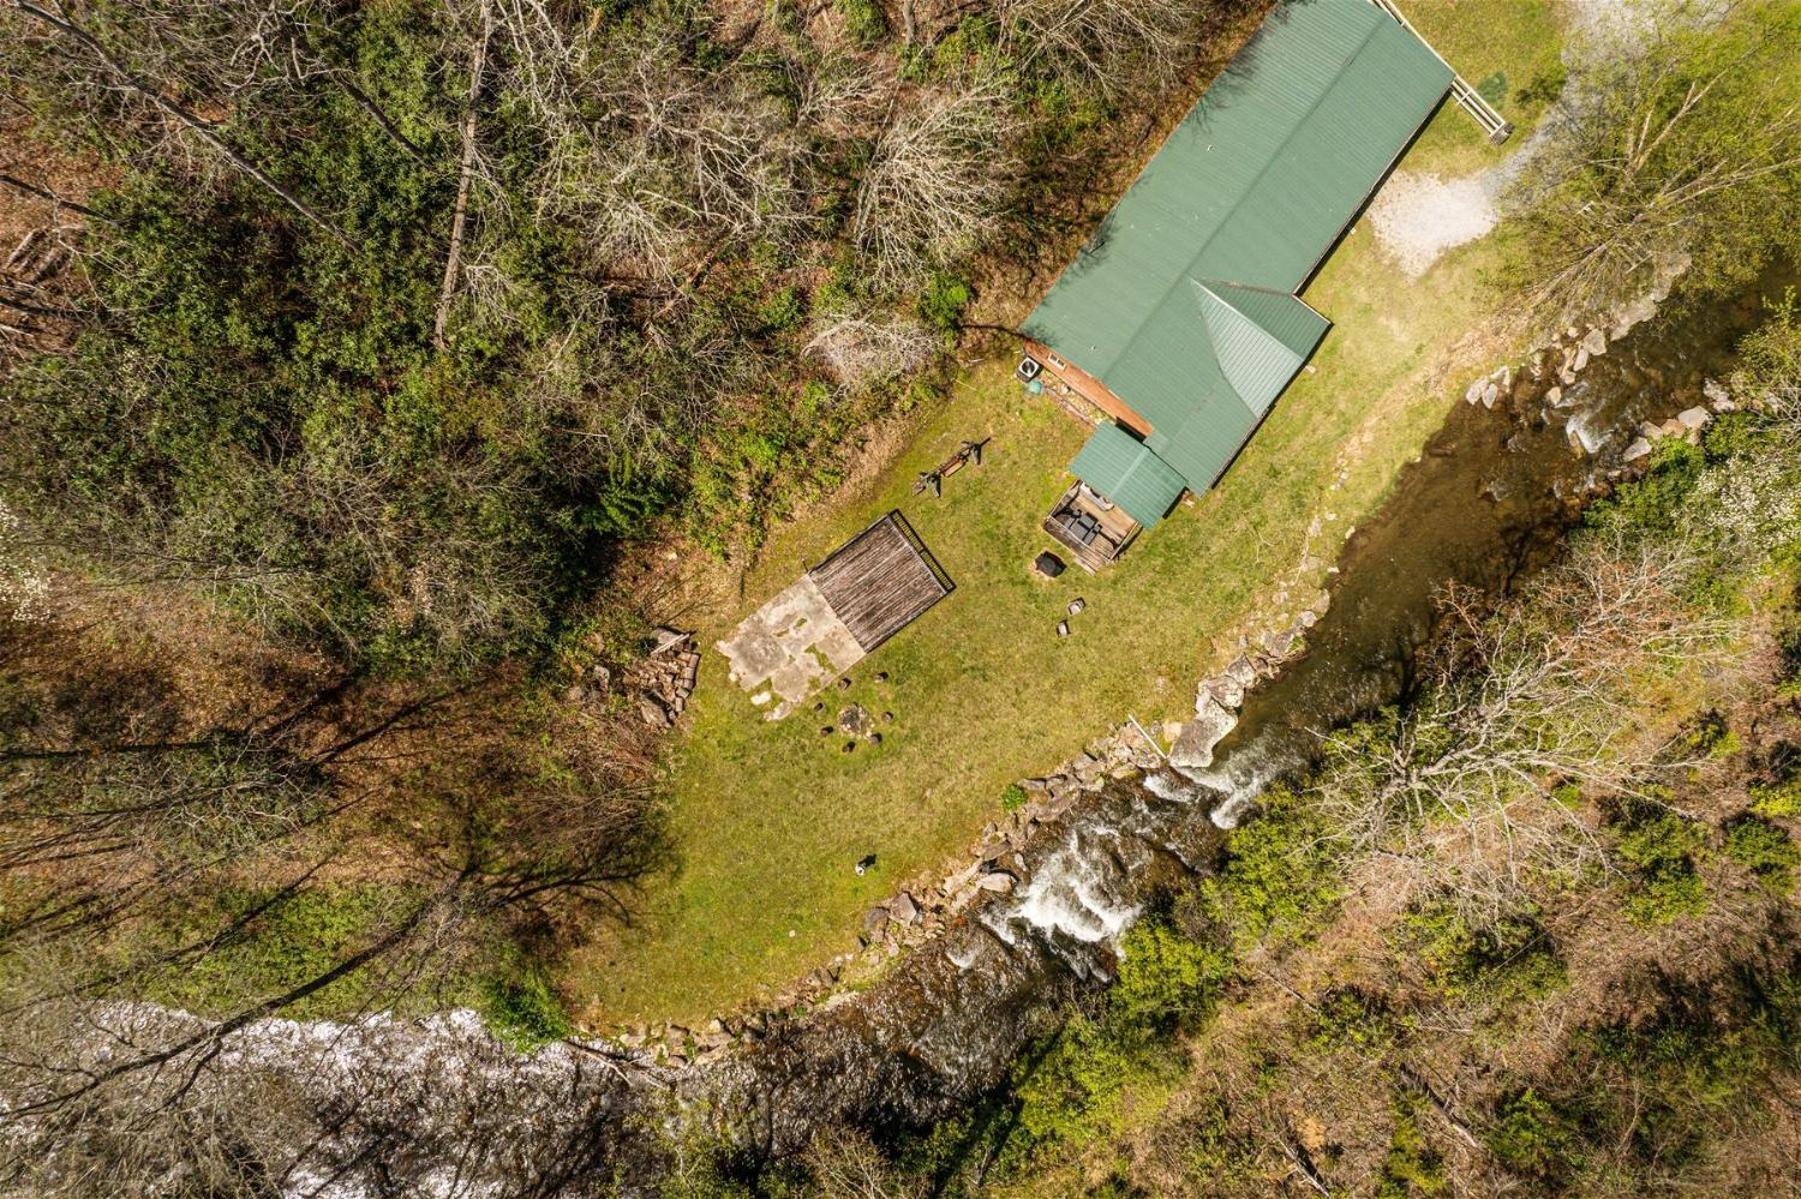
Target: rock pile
<point x="663" y="680"/>
<point x="1686" y="424"/>
<point x="1563" y="357"/>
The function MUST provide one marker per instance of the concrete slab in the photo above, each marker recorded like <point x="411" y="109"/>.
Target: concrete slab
<point x="794" y="643"/>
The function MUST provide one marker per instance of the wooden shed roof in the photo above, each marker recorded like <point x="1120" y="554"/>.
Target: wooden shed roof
<point x="881" y="580"/>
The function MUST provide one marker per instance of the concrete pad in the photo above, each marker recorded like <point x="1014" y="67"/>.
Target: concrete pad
<point x="794" y="643"/>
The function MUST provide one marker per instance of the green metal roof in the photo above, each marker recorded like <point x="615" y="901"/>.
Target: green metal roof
<point x="1123" y="469"/>
<point x="1183" y="303"/>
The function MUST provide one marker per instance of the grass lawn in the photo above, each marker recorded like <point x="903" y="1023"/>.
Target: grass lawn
<point x="769" y="818"/>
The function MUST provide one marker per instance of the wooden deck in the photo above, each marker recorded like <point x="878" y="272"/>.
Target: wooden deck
<point x="1112" y="530"/>
<point x="881" y="580"/>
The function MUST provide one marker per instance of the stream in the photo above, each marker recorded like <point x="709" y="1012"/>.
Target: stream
<point x="1490" y="498"/>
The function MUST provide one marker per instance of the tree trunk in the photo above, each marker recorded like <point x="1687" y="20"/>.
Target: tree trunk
<point x="460" y="218"/>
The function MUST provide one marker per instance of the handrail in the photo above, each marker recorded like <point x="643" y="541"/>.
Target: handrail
<point x="1492" y="123"/>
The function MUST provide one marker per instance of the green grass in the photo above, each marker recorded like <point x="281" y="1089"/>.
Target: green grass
<point x="1509" y="51"/>
<point x="768" y="819"/>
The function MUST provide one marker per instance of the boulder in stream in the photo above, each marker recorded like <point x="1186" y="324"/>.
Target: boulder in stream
<point x="1212" y="721"/>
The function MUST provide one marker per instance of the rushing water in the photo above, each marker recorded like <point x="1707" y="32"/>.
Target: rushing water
<point x="1490" y="498"/>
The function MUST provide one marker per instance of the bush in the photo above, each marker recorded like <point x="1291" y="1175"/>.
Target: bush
<point x="783" y="312"/>
<point x="1165" y="979"/>
<point x="942" y="303"/>
<point x="1352" y="1021"/>
<point x="1665" y="849"/>
<point x="1412" y="1166"/>
<point x="1013" y="798"/>
<point x="1280" y="878"/>
<point x="864" y="21"/>
<point x="524" y="1011"/>
<point x="1780" y="799"/>
<point x="1510" y="958"/>
<point x="1765" y="850"/>
<point x="1074" y="1092"/>
<point x="1166" y="983"/>
<point x="1530" y="1137"/>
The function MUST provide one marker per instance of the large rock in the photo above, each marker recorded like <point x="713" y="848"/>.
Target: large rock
<point x="1212" y="721"/>
<point x="1596" y="342"/>
<point x="903" y="909"/>
<point x="1694" y="418"/>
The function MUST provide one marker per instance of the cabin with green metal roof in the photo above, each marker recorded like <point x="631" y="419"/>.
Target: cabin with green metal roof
<point x="1180" y="322"/>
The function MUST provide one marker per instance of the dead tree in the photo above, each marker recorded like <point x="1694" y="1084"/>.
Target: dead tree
<point x="937" y="179"/>
<point x="465" y="173"/>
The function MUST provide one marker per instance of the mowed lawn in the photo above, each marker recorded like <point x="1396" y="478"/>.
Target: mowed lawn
<point x="769" y="819"/>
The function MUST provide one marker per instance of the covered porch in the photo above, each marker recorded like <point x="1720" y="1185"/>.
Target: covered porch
<point x="1121" y="488"/>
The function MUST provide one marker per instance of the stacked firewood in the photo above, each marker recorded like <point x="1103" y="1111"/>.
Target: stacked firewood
<point x="664" y="679"/>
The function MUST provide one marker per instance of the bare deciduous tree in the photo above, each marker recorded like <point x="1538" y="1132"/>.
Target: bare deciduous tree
<point x="1667" y="149"/>
<point x="1540" y="692"/>
<point x="937" y="178"/>
<point x="864" y="350"/>
<point x="1117" y="45"/>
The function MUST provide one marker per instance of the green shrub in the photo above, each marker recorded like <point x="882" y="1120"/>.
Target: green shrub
<point x="1507" y="959"/>
<point x="864" y="21"/>
<point x="1711" y="737"/>
<point x="524" y="1011"/>
<point x="1530" y="1137"/>
<point x="1013" y="798"/>
<point x="1770" y="355"/>
<point x="1165" y="979"/>
<point x="1765" y="850"/>
<point x="1780" y="799"/>
<point x="1075" y="1090"/>
<point x="1217" y="1154"/>
<point x="783" y="312"/>
<point x="1655" y="502"/>
<point x="1412" y="1166"/>
<point x="1350" y="1020"/>
<point x="1166" y="982"/>
<point x="1281" y="876"/>
<point x="1665" y="849"/>
<point x="942" y="303"/>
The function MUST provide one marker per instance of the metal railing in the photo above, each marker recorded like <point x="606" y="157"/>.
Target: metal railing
<point x="1494" y="126"/>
